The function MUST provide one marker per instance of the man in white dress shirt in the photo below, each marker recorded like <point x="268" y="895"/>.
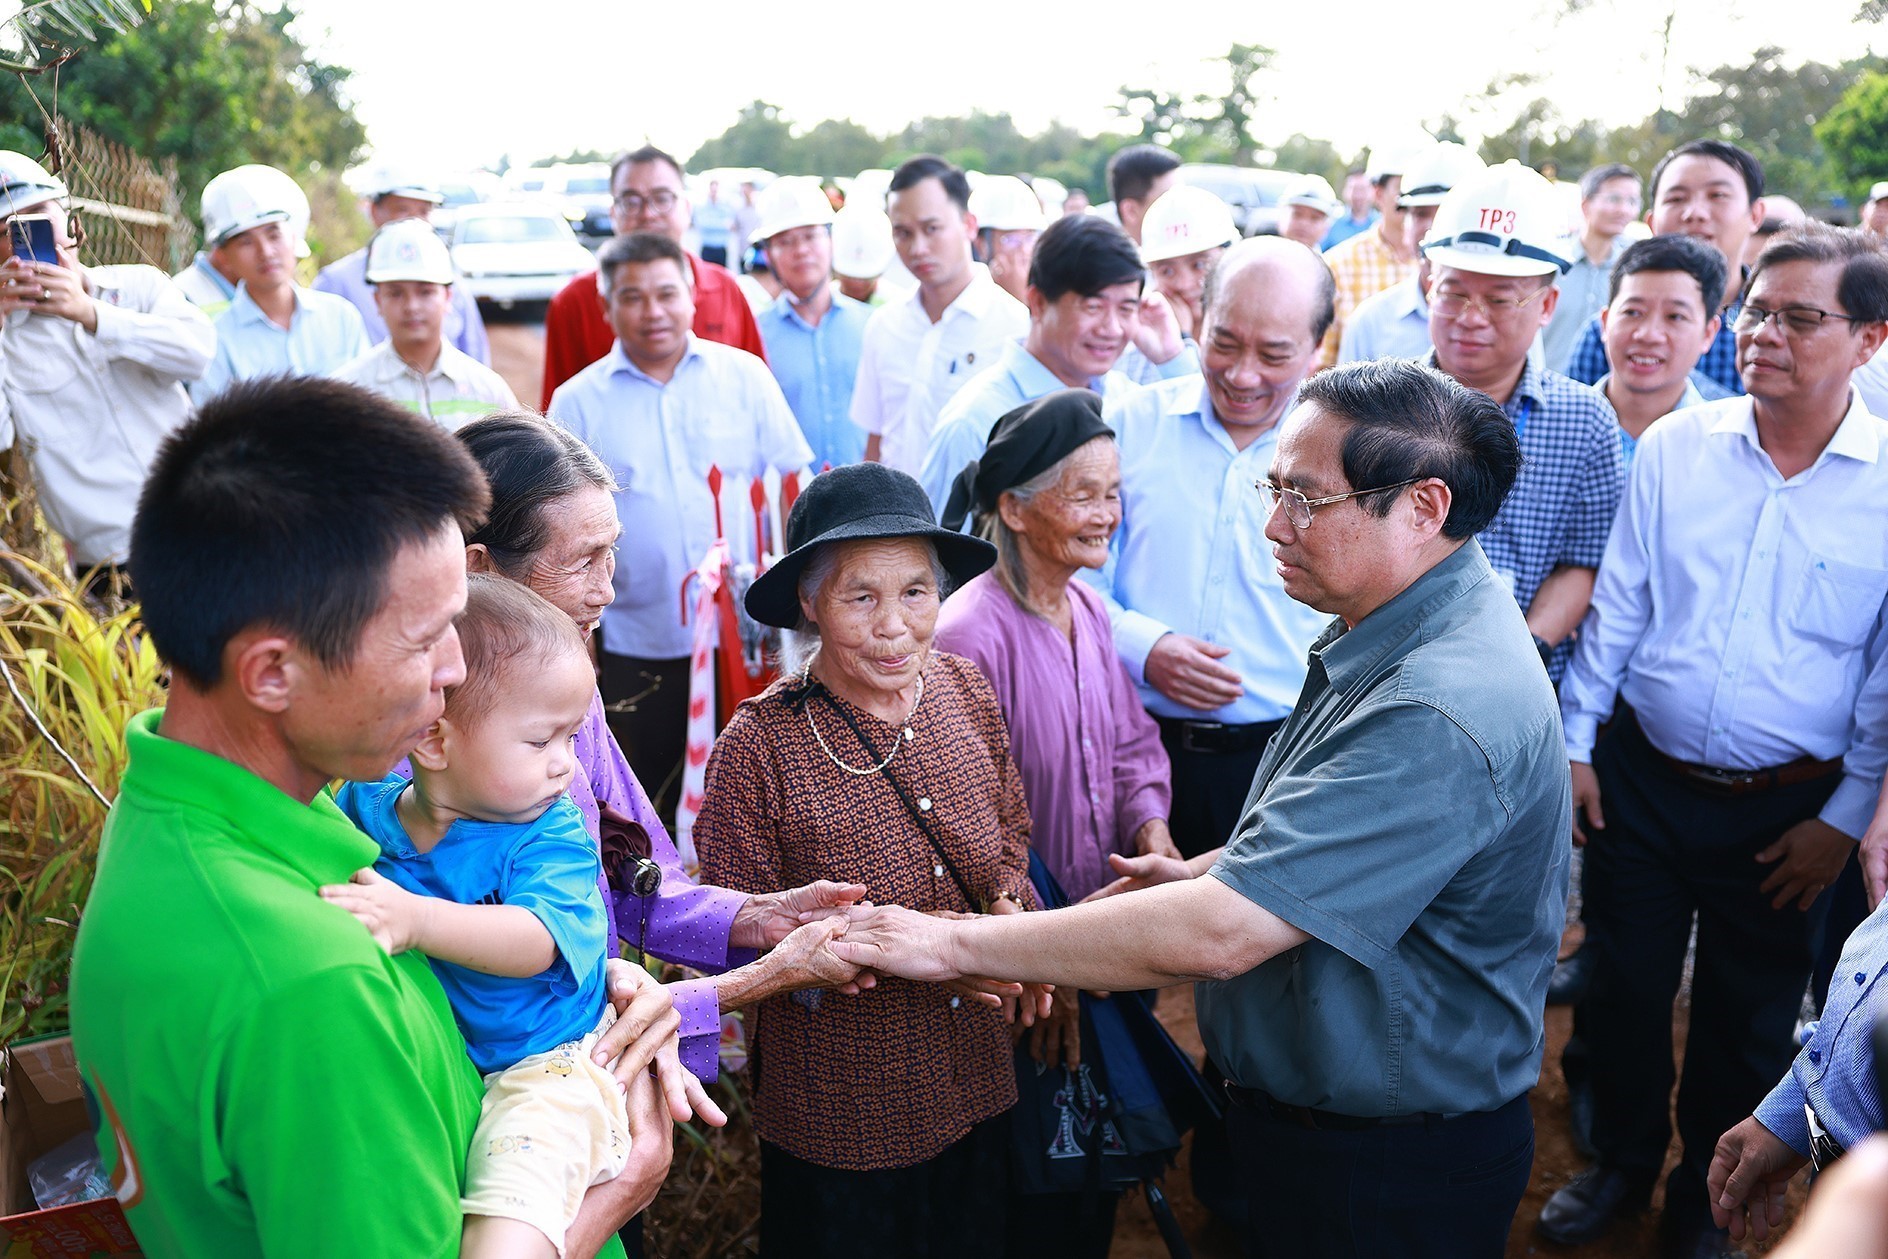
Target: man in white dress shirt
<point x="1737" y="616"/>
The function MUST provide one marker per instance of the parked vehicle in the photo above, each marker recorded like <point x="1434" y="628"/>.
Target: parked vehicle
<point x="1252" y="194"/>
<point x="518" y="251"/>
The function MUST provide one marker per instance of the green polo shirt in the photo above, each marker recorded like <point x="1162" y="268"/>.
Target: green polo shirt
<point x="269" y="1081"/>
<point x="1412" y="817"/>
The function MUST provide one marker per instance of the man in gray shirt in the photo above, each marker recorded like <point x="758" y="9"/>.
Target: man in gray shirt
<point x="1373" y="945"/>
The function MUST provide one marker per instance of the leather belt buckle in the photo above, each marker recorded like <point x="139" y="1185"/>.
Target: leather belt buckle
<point x="1207" y="737"/>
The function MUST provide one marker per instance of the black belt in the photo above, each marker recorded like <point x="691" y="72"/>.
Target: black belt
<point x="1741" y="782"/>
<point x="1322" y="1120"/>
<point x="1216" y="738"/>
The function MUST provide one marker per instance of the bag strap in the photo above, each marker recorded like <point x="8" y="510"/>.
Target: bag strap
<point x="918" y="815"/>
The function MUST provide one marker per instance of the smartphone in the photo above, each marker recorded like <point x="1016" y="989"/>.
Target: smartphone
<point x="32" y="238"/>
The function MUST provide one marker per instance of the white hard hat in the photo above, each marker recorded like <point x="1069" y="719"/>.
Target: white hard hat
<point x="789" y="202"/>
<point x="1185" y="220"/>
<point x="1431" y="176"/>
<point x="1506" y="221"/>
<point x="1307" y="190"/>
<point x="24" y="183"/>
<point x="1004" y="203"/>
<point x="1393" y="154"/>
<point x="400" y="181"/>
<point x="250" y="196"/>
<point x="408" y="249"/>
<point x="862" y="242"/>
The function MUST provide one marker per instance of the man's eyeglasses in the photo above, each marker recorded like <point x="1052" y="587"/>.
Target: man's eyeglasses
<point x="1298" y="508"/>
<point x="1452" y="304"/>
<point x="661" y="201"/>
<point x="1798" y="321"/>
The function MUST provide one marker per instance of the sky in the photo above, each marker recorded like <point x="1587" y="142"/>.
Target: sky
<point x="456" y="85"/>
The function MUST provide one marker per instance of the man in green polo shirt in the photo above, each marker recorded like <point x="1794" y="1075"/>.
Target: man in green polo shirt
<point x="1375" y="940"/>
<point x="267" y="1080"/>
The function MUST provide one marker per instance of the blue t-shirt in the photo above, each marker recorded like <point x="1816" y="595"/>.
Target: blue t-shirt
<point x="549" y="867"/>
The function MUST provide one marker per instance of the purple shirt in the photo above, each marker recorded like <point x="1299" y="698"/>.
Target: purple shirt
<point x="1093" y="769"/>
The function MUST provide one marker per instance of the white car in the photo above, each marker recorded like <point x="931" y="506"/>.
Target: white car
<point x="516" y="252"/>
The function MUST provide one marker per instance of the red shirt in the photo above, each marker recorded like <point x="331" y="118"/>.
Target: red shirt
<point x="576" y="334"/>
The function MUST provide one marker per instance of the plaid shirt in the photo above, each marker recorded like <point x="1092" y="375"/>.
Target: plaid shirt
<point x="1718" y="365"/>
<point x="1363" y="266"/>
<point x="1562" y="504"/>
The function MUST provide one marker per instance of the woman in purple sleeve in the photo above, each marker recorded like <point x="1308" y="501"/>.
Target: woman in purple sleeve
<point x="1047" y="492"/>
<point x="553" y="528"/>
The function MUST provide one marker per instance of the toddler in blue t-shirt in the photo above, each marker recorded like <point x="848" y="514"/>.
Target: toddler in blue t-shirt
<point x="487" y="869"/>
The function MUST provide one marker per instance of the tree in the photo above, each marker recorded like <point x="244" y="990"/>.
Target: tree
<point x="760" y="137"/>
<point x="1855" y="132"/>
<point x="1771" y="108"/>
<point x="839" y="147"/>
<point x="1312" y="157"/>
<point x="1227" y="120"/>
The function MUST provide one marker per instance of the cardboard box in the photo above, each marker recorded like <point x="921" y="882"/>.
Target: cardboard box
<point x="42" y="1105"/>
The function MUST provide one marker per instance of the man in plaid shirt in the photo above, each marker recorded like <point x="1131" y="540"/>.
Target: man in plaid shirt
<point x="1497" y="245"/>
<point x="1714" y="191"/>
<point x="1372" y="260"/>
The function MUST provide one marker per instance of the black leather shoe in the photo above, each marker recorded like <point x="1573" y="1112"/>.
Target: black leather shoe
<point x="1589" y="1203"/>
<point x="1571" y="979"/>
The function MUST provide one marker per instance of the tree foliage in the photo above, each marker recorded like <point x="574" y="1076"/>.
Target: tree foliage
<point x="1855" y="133"/>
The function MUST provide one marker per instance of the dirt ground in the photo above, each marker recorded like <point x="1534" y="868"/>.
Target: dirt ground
<point x="518" y="355"/>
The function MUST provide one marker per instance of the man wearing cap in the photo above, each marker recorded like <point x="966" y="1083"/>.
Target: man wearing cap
<point x="93" y="362"/>
<point x="273" y="325"/>
<point x="410" y="274"/>
<point x="1739" y="647"/>
<point x="1497" y="243"/>
<point x="1609" y="202"/>
<point x="921" y="350"/>
<point x="210" y="280"/>
<point x="1372" y="261"/>
<point x="1085" y="308"/>
<point x="1395" y="323"/>
<point x="1182" y="238"/>
<point x="1713" y="190"/>
<point x="1360" y="212"/>
<point x="1309" y="206"/>
<point x="660" y="409"/>
<point x="862" y="249"/>
<point x="393" y="195"/>
<point x="647" y="195"/>
<point x="813" y="335"/>
<point x="1009" y="218"/>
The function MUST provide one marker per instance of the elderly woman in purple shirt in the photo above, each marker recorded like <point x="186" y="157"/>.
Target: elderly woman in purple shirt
<point x="553" y="528"/>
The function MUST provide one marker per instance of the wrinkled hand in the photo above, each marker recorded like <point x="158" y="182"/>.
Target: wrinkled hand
<point x="644" y="1037"/>
<point x="1158" y="332"/>
<point x="767" y="919"/>
<point x="1809" y="855"/>
<point x="1847" y="1217"/>
<point x="1155" y="840"/>
<point x="1586" y="801"/>
<point x="1187" y="671"/>
<point x="391" y="914"/>
<point x="807" y="956"/>
<point x="1749" y="1177"/>
<point x="892" y="940"/>
<point x="1056" y="1039"/>
<point x="1140" y="872"/>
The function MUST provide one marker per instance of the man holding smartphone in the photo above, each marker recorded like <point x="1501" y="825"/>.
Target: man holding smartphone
<point x="93" y="362"/>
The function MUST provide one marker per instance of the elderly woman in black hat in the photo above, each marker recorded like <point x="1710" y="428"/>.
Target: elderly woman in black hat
<point x="874" y="760"/>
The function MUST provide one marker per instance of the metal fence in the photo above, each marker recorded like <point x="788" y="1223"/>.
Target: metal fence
<point x="129" y="205"/>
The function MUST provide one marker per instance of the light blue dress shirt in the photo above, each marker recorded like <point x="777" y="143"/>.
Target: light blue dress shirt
<point x="1628" y="444"/>
<point x="1191" y="555"/>
<point x="816" y="365"/>
<point x="721" y="409"/>
<point x="324" y="332"/>
<point x="1390" y="324"/>
<point x="464" y="329"/>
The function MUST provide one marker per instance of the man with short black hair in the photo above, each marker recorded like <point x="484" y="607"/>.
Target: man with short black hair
<point x="919" y="351"/>
<point x="659" y="410"/>
<point x="309" y="633"/>
<point x="1739" y="613"/>
<point x="1609" y="202"/>
<point x="1372" y="943"/>
<point x="1370" y="262"/>
<point x="647" y="194"/>
<point x="1137" y="175"/>
<point x="1658" y="320"/>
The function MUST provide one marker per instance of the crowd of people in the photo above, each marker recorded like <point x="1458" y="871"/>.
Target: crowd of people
<point x="1315" y="610"/>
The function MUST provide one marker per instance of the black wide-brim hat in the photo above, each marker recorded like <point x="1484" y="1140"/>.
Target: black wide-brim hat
<point x="859" y="500"/>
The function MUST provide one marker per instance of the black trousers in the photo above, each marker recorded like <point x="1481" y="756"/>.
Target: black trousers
<point x="950" y="1205"/>
<point x="1671" y="849"/>
<point x="1447" y="1188"/>
<point x="1209" y="788"/>
<point x="648" y="713"/>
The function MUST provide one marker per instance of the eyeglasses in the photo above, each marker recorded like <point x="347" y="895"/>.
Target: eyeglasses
<point x="661" y="201"/>
<point x="1798" y="321"/>
<point x="1451" y="304"/>
<point x="1298" y="508"/>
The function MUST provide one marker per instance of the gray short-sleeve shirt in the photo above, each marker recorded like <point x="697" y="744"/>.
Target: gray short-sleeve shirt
<point x="1412" y="817"/>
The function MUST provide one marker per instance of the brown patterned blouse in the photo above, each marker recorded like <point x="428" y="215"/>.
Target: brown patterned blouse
<point x="892" y="1076"/>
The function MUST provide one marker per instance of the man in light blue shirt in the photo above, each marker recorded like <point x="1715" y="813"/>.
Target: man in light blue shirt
<point x="661" y="409"/>
<point x="274" y="326"/>
<point x="1201" y="617"/>
<point x="1392" y="324"/>
<point x="1085" y="288"/>
<point x="812" y="334"/>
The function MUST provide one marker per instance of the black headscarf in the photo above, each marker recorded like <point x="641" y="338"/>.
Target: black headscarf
<point x="1024" y="444"/>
